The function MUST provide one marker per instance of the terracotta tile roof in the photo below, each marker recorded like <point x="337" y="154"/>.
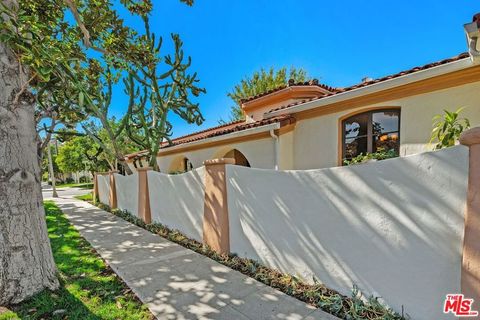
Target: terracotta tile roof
<point x="371" y="82"/>
<point x="194" y="135"/>
<point x="291" y="83"/>
<point x="231" y="127"/>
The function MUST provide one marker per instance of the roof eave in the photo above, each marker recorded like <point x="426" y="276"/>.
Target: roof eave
<point x="260" y="101"/>
<point x="225" y="137"/>
<point x="376" y="87"/>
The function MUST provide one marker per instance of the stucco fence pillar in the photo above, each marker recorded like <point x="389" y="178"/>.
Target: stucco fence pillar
<point x="216" y="233"/>
<point x="470" y="278"/>
<point x="112" y="196"/>
<point x="144" y="211"/>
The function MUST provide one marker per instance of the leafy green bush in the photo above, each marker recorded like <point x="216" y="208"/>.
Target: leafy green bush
<point x="447" y="128"/>
<point x="379" y="155"/>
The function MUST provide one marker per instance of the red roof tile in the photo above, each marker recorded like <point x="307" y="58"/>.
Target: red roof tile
<point x="368" y="83"/>
<point x="230" y="128"/>
<point x="235" y="126"/>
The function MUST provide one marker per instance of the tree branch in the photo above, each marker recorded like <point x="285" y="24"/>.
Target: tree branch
<point x="81" y="25"/>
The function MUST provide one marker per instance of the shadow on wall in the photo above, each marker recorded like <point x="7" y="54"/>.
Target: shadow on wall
<point x="103" y="188"/>
<point x="166" y="274"/>
<point x="127" y="192"/>
<point x="394" y="227"/>
<point x="177" y="201"/>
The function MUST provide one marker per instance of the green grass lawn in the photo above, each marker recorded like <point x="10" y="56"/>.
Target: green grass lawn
<point x="76" y="185"/>
<point x="85" y="197"/>
<point x="89" y="289"/>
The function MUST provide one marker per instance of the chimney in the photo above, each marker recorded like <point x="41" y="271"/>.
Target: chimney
<point x="472" y="31"/>
<point x="367" y="79"/>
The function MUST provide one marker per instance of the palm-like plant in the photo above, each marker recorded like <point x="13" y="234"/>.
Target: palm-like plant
<point x="447" y="128"/>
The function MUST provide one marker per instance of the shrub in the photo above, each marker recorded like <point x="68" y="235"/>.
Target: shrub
<point x="447" y="128"/>
<point x="379" y="155"/>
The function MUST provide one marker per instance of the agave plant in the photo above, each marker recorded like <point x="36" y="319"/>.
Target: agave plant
<point x="447" y="128"/>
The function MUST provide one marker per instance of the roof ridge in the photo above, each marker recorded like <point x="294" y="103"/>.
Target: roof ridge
<point x="407" y="71"/>
<point x="460" y="56"/>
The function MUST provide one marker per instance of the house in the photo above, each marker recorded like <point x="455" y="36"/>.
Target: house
<point x="312" y="125"/>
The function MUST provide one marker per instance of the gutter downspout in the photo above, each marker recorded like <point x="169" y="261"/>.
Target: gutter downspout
<point x="276" y="147"/>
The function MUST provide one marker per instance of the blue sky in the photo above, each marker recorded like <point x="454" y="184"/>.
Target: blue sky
<point x="337" y="42"/>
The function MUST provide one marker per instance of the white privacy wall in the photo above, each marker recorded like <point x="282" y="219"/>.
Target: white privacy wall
<point x="394" y="227"/>
<point x="127" y="192"/>
<point x="103" y="188"/>
<point x="177" y="201"/>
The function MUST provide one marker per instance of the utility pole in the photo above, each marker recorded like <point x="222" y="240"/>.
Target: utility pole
<point x="50" y="171"/>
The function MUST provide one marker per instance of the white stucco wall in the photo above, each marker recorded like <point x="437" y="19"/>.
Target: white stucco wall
<point x="127" y="192"/>
<point x="259" y="153"/>
<point x="285" y="154"/>
<point x="103" y="188"/>
<point x="177" y="201"/>
<point x="316" y="139"/>
<point x="394" y="227"/>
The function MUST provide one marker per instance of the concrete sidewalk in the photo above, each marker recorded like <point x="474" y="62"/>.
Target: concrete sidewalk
<point x="177" y="283"/>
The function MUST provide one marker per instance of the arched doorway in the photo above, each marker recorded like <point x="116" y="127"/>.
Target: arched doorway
<point x="240" y="159"/>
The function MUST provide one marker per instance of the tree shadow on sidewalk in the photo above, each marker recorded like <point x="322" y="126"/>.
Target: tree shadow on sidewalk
<point x="89" y="289"/>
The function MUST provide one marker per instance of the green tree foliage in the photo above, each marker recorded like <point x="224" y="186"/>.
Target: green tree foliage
<point x="124" y="144"/>
<point x="260" y="82"/>
<point x="61" y="47"/>
<point x="44" y="163"/>
<point x="73" y="155"/>
<point x="81" y="152"/>
<point x="164" y="91"/>
<point x="447" y="128"/>
<point x="74" y="63"/>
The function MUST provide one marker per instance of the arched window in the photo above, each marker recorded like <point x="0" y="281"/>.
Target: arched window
<point x="369" y="132"/>
<point x="240" y="159"/>
<point x="187" y="165"/>
<point x="180" y="165"/>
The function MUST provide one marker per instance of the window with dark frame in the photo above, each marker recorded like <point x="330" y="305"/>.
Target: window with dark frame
<point x="370" y="132"/>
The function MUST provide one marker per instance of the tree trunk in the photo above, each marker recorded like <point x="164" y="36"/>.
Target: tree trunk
<point x="51" y="173"/>
<point x="26" y="261"/>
